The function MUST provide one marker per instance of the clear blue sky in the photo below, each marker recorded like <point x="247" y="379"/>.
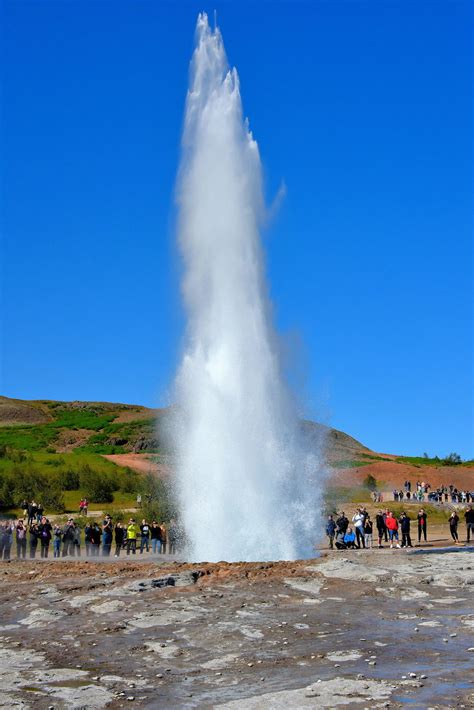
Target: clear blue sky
<point x="362" y="108"/>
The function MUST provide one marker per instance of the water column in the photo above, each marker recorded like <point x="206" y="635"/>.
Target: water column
<point x="246" y="481"/>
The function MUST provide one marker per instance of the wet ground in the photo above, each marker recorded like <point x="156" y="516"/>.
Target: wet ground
<point x="368" y="629"/>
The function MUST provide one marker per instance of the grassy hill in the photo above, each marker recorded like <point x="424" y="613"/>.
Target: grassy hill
<point x="63" y="450"/>
<point x="88" y="427"/>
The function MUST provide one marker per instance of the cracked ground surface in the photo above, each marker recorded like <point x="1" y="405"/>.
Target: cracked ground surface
<point x="364" y="629"/>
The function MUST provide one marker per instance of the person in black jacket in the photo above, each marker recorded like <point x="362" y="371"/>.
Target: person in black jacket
<point x="68" y="538"/>
<point x="32" y="508"/>
<point x="342" y="523"/>
<point x="45" y="534"/>
<point x="404" y="522"/>
<point x="422" y="520"/>
<point x="34" y="537"/>
<point x="119" y="538"/>
<point x="453" y="526"/>
<point x="6" y="540"/>
<point x="381" y="527"/>
<point x="87" y="538"/>
<point x="155" y="532"/>
<point x="96" y="536"/>
<point x="469" y="518"/>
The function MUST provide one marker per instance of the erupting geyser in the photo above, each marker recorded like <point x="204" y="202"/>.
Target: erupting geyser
<point x="246" y="480"/>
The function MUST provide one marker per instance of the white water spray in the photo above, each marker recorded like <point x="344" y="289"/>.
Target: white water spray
<point x="246" y="480"/>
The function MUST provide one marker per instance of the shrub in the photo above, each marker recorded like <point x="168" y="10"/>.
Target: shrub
<point x="129" y="481"/>
<point x="70" y="480"/>
<point x="28" y="483"/>
<point x="452" y="459"/>
<point x="157" y="499"/>
<point x="98" y="486"/>
<point x="370" y="482"/>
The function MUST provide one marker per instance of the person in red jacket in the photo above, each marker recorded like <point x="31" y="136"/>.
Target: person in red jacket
<point x="392" y="527"/>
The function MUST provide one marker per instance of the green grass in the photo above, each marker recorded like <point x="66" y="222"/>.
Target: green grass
<point x="58" y="463"/>
<point x="345" y="495"/>
<point x="374" y="457"/>
<point x="349" y="463"/>
<point x="106" y="436"/>
<point x="422" y="461"/>
<point x="38" y="437"/>
<point x="123" y="432"/>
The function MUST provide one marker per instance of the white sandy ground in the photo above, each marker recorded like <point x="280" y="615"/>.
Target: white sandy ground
<point x="28" y="669"/>
<point x="323" y="694"/>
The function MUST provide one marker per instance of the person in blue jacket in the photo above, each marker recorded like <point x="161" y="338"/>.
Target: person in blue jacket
<point x="331" y="531"/>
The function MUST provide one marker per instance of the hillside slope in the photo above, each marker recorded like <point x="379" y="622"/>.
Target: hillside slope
<point x="132" y="435"/>
<point x="114" y="428"/>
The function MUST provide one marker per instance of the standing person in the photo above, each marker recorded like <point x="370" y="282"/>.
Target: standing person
<point x="39" y="513"/>
<point x="132" y="533"/>
<point x="139" y="500"/>
<point x="107" y="535"/>
<point x="155" y="532"/>
<point x="342" y="523"/>
<point x="6" y="540"/>
<point x="88" y="538"/>
<point x="20" y="540"/>
<point x="358" y="520"/>
<point x="119" y="538"/>
<point x="422" y="520"/>
<point x="380" y="525"/>
<point x="76" y="540"/>
<point x="173" y="534"/>
<point x="331" y="531"/>
<point x="405" y="530"/>
<point x="45" y="529"/>
<point x="32" y="512"/>
<point x="95" y="536"/>
<point x="469" y="518"/>
<point x="164" y="537"/>
<point x="34" y="537"/>
<point x="453" y="526"/>
<point x="85" y="506"/>
<point x="57" y="535"/>
<point x="385" y="513"/>
<point x="368" y="527"/>
<point x="145" y="536"/>
<point x="68" y="538"/>
<point x="392" y="527"/>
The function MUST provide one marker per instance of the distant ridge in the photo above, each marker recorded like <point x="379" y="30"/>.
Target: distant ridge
<point x="130" y="426"/>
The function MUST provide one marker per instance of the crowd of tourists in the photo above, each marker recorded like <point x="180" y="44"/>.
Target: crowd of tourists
<point x="37" y="537"/>
<point x="442" y="494"/>
<point x="388" y="528"/>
